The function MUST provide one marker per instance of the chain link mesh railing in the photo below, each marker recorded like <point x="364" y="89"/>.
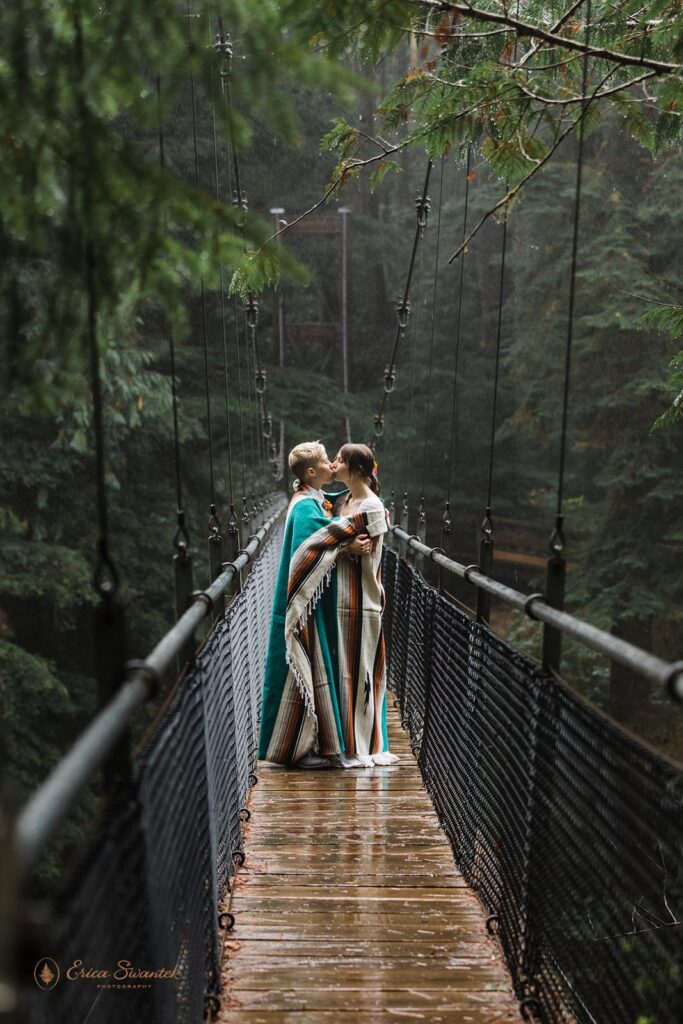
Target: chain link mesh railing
<point x="569" y="828"/>
<point x="149" y="891"/>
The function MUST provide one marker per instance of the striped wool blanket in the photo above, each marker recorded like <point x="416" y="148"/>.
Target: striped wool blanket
<point x="300" y="709"/>
<point x="324" y="684"/>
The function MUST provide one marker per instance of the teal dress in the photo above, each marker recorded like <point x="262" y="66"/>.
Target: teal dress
<point x="283" y="736"/>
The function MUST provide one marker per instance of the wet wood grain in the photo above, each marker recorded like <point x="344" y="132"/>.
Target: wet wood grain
<point x="350" y="907"/>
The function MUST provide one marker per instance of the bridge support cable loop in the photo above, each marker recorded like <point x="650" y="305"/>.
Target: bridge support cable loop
<point x="152" y="676"/>
<point x="529" y="604"/>
<point x="674" y="681"/>
<point x="556" y="565"/>
<point x="402" y="309"/>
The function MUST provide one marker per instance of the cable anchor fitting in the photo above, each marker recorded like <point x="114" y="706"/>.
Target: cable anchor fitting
<point x="403" y="311"/>
<point x="251" y="306"/>
<point x="379" y="425"/>
<point x="446" y="519"/>
<point x="267" y="425"/>
<point x="181" y="538"/>
<point x="223" y="49"/>
<point x="422" y="206"/>
<point x="260" y="379"/>
<point x="105" y="576"/>
<point x="240" y="203"/>
<point x="214" y="524"/>
<point x="233" y="522"/>
<point x="557" y="539"/>
<point x="487" y="524"/>
<point x="389" y="379"/>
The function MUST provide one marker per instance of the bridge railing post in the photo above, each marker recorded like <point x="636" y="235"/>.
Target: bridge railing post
<point x="215" y="557"/>
<point x="182" y="571"/>
<point x="110" y="672"/>
<point x="486" y="548"/>
<point x="403" y="522"/>
<point x="554" y="594"/>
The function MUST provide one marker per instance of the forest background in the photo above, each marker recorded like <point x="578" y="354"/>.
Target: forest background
<point x="310" y="98"/>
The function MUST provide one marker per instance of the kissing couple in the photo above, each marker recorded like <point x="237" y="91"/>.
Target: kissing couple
<point x="324" y="696"/>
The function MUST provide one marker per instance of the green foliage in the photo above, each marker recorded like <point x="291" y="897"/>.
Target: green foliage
<point x="81" y="168"/>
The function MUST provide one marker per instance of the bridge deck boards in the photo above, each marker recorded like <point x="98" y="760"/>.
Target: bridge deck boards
<point x="349" y="907"/>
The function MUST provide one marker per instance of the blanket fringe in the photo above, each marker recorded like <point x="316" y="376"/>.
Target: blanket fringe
<point x="301" y="622"/>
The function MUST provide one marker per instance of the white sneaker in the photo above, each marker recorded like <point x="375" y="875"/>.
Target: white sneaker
<point x="351" y="761"/>
<point x="313" y="762"/>
<point x="386" y="757"/>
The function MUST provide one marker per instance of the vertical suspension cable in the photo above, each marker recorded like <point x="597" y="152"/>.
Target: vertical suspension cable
<point x="447" y="520"/>
<point x="223" y="54"/>
<point x="557" y="539"/>
<point x="556" y="566"/>
<point x="487" y="524"/>
<point x="422" y="204"/>
<point x="104" y="566"/>
<point x="225" y="85"/>
<point x="406" y="488"/>
<point x="431" y="339"/>
<point x="235" y="309"/>
<point x="263" y="419"/>
<point x="181" y="537"/>
<point x="213" y="520"/>
<point x="496" y="372"/>
<point x="250" y="408"/>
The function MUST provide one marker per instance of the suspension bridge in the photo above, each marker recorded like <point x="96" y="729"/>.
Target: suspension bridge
<point x="522" y="861"/>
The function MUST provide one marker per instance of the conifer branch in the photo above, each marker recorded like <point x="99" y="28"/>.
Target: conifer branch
<point x="524" y="28"/>
<point x="511" y="193"/>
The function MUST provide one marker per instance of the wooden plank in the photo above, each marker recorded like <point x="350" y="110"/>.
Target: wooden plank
<point x="352" y="950"/>
<point x="466" y="1008"/>
<point x="350" y="907"/>
<point x="354" y="878"/>
<point x="364" y="998"/>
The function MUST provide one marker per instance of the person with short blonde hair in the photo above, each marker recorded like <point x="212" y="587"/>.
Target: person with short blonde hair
<point x="304" y="458"/>
<point x="300" y="722"/>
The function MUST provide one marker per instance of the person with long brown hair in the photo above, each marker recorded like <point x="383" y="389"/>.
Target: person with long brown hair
<point x="360" y="603"/>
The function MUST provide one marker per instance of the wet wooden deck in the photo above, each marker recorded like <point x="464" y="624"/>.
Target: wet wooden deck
<point x="350" y="910"/>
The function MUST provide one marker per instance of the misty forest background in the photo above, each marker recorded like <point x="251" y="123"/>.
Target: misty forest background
<point x="624" y="487"/>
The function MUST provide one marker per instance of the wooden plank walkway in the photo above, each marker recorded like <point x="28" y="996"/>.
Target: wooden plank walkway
<point x="349" y="907"/>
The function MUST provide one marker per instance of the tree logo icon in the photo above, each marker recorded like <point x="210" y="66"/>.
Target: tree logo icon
<point x="46" y="973"/>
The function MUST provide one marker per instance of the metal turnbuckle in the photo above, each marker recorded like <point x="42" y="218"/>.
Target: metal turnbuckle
<point x="403" y="311"/>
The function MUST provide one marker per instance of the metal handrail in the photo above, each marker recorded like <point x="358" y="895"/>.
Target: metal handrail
<point x="649" y="666"/>
<point x="52" y="801"/>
